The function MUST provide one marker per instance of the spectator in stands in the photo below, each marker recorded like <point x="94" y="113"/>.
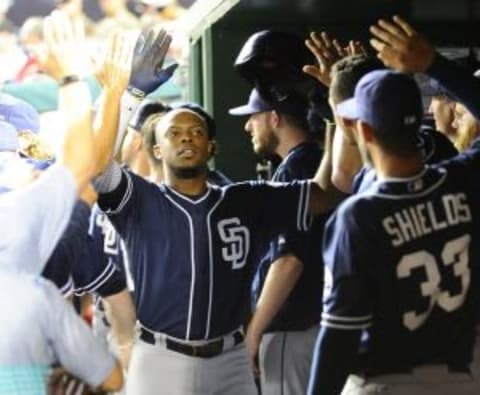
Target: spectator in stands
<point x="117" y="15"/>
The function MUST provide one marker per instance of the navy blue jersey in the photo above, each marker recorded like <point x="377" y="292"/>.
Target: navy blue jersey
<point x="100" y="270"/>
<point x="191" y="259"/>
<point x="433" y="145"/>
<point x="216" y="177"/>
<point x="67" y="252"/>
<point x="401" y="262"/>
<point x="302" y="308"/>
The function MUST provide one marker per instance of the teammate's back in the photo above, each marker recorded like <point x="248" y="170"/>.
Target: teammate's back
<point x="421" y="273"/>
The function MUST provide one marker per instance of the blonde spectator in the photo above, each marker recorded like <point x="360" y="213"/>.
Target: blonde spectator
<point x="468" y="128"/>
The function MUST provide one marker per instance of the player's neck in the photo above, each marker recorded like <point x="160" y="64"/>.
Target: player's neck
<point x="187" y="186"/>
<point x="389" y="166"/>
<point x="290" y="141"/>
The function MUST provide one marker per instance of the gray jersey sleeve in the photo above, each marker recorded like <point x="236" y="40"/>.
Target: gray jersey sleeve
<point x="110" y="179"/>
<point x="34" y="218"/>
<point x="74" y="344"/>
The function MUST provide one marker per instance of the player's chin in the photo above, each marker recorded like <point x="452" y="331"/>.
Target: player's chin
<point x="189" y="172"/>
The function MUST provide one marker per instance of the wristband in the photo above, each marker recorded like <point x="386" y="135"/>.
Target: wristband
<point x="69" y="79"/>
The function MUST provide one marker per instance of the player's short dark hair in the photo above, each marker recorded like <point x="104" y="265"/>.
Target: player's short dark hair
<point x="398" y="142"/>
<point x="147" y="108"/>
<point x="202" y="113"/>
<point x="347" y="72"/>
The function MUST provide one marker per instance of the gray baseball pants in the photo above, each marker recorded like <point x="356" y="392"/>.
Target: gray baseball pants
<point x="155" y="370"/>
<point x="285" y="359"/>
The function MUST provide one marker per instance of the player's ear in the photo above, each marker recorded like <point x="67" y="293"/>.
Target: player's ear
<point x="157" y="152"/>
<point x="212" y="148"/>
<point x="365" y="130"/>
<point x="274" y="118"/>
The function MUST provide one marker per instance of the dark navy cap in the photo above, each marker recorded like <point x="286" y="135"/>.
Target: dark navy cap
<point x="255" y="105"/>
<point x="386" y="100"/>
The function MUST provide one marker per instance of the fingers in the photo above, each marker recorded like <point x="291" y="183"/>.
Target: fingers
<point x="340" y="50"/>
<point x="404" y="25"/>
<point x="384" y="35"/>
<point x="317" y="51"/>
<point x="378" y="45"/>
<point x="393" y="29"/>
<point x="312" y="71"/>
<point x="161" y="49"/>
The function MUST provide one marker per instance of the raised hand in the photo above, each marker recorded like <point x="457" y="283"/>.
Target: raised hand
<point x="114" y="74"/>
<point x="400" y="47"/>
<point x="65" y="53"/>
<point x="148" y="57"/>
<point x="326" y="52"/>
<point x="355" y="48"/>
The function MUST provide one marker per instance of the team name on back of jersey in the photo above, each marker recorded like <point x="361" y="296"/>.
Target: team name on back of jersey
<point x="422" y="219"/>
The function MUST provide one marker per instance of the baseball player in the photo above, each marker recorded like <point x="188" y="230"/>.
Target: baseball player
<point x="350" y="172"/>
<point x="191" y="246"/>
<point x="137" y="147"/>
<point x="404" y="273"/>
<point x="290" y="271"/>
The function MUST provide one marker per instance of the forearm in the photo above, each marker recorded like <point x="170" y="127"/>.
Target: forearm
<point x="346" y="162"/>
<point x="116" y="109"/>
<point x="282" y="277"/>
<point x="458" y="81"/>
<point x="122" y="316"/>
<point x="77" y="153"/>
<point x="324" y="195"/>
<point x="335" y="357"/>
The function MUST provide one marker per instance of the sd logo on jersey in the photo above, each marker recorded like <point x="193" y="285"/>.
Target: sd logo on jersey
<point x="237" y="238"/>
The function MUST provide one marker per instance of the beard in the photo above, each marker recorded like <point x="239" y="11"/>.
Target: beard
<point x="188" y="173"/>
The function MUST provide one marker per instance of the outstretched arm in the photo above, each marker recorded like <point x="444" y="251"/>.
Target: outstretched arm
<point x="400" y="47"/>
<point x="63" y="59"/>
<point x="324" y="196"/>
<point x="282" y="277"/>
<point x="146" y="76"/>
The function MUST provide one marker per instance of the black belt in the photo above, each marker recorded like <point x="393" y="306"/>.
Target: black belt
<point x="207" y="350"/>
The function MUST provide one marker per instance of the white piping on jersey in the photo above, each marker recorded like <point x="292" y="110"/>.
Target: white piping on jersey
<point x="346" y="327"/>
<point x="192" y="201"/>
<point x="411" y="195"/>
<point x="299" y="208"/>
<point x="326" y="316"/>
<point x="67" y="288"/>
<point x="432" y="151"/>
<point x="403" y="179"/>
<point x="192" y="257"/>
<point x="126" y="265"/>
<point x="306" y="204"/>
<point x="210" y="257"/>
<point x="99" y="281"/>
<point x="126" y="196"/>
<point x="303" y="203"/>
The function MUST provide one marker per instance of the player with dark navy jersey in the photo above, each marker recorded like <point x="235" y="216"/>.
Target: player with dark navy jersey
<point x="400" y="259"/>
<point x="192" y="246"/>
<point x="283" y="334"/>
